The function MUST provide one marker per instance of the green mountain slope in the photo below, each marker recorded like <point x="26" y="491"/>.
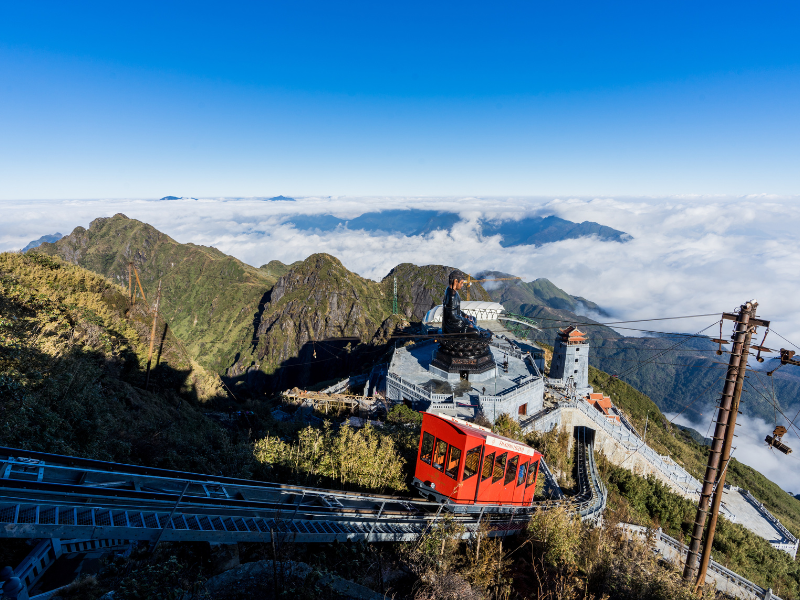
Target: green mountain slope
<point x="681" y="445"/>
<point x="264" y="328"/>
<point x="519" y="296"/>
<point x="72" y="364"/>
<point x="322" y="321"/>
<point x="208" y="297"/>
<point x="735" y="547"/>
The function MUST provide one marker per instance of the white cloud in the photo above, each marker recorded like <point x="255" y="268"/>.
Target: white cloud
<point x="751" y="449"/>
<point x="689" y="255"/>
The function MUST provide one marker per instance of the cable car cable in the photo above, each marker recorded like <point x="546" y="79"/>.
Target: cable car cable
<point x="697" y="397"/>
<point x="784" y="339"/>
<point x="791" y="423"/>
<point x="629" y="371"/>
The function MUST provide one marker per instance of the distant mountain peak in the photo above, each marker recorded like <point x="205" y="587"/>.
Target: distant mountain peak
<point x="281" y="199"/>
<point x="176" y="198"/>
<point x="530" y="231"/>
<point x="524" y="296"/>
<point x="52" y="239"/>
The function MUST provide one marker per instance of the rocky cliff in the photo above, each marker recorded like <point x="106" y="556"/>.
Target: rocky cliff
<point x="421" y="288"/>
<point x="323" y="321"/>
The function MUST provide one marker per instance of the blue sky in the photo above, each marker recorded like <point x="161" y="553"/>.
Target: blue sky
<point x="102" y="100"/>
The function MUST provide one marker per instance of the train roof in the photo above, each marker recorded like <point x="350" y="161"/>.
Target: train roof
<point x="491" y="439"/>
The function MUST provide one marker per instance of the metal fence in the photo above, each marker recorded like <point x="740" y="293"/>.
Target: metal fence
<point x="670" y="469"/>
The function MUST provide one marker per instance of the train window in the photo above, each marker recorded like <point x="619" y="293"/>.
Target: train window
<point x="523" y="470"/>
<point x="488" y="464"/>
<point x="471" y="462"/>
<point x="499" y="467"/>
<point x="440" y="451"/>
<point x="532" y="473"/>
<point x="511" y="471"/>
<point x="427" y="448"/>
<point x="453" y="459"/>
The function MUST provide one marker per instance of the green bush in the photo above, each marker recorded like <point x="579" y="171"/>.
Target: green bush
<point x="651" y="503"/>
<point x="402" y="415"/>
<point x="508" y="427"/>
<point x="364" y="458"/>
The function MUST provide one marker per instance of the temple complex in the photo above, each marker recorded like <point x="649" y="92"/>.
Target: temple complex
<point x="462" y="376"/>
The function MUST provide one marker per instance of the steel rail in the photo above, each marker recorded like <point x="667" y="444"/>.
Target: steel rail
<point x="56" y="460"/>
<point x="53" y="496"/>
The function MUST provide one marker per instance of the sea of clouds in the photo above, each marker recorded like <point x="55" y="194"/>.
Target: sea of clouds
<point x="749" y="447"/>
<point x="688" y="255"/>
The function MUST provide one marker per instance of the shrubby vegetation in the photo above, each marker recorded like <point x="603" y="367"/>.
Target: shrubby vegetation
<point x="648" y="502"/>
<point x="554" y="446"/>
<point x="71" y="382"/>
<point x="363" y="459"/>
<point x="71" y="376"/>
<point x="570" y="559"/>
<point x="447" y="568"/>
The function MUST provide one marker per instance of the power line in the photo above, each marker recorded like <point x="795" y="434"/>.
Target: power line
<point x="650" y="362"/>
<point x="696" y="399"/>
<point x="777" y="407"/>
<point x="784" y="339"/>
<point x="411" y="301"/>
<point x="666" y="350"/>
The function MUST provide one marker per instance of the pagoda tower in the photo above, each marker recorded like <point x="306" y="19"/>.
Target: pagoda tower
<point x="571" y="359"/>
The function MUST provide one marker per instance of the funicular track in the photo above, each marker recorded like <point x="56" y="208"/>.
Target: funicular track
<point x="52" y="496"/>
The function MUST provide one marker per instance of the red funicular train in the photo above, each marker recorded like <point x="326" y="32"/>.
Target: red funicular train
<point x="471" y="467"/>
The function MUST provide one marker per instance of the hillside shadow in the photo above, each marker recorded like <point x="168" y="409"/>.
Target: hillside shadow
<point x="331" y="359"/>
<point x="259" y="314"/>
<point x="91" y="403"/>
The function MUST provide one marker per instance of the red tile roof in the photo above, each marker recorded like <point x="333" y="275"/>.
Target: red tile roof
<point x="572" y="334"/>
<point x="603" y="404"/>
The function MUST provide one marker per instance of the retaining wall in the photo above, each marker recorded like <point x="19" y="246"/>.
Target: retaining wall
<point x="620" y="445"/>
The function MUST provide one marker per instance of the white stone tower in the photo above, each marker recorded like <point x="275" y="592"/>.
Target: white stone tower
<point x="571" y="359"/>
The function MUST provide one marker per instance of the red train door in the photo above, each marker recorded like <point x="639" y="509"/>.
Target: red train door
<point x="531" y="477"/>
<point x="520" y="479"/>
<point x="510" y="479"/>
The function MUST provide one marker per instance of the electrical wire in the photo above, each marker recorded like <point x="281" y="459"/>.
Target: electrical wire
<point x="687" y="335"/>
<point x="784" y="339"/>
<point x="650" y="362"/>
<point x="406" y="302"/>
<point x="658" y="355"/>
<point x="695" y="400"/>
<point x="757" y="391"/>
<point x="585" y="324"/>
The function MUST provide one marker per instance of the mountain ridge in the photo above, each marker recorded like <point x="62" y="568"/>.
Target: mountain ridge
<point x="231" y="315"/>
<point x="53" y="237"/>
<point x="534" y="231"/>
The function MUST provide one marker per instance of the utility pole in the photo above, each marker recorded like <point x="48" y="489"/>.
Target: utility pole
<point x="136" y="273"/>
<point x="746" y="322"/>
<point x="726" y="449"/>
<point x="152" y="336"/>
<point x="394" y="299"/>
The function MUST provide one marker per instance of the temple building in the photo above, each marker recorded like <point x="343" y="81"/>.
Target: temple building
<point x="464" y="376"/>
<point x="482" y="311"/>
<point x="571" y="360"/>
